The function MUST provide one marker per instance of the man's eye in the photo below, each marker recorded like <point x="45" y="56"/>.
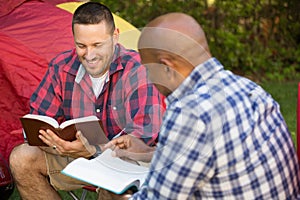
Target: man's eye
<point x="81" y="46"/>
<point x="98" y="45"/>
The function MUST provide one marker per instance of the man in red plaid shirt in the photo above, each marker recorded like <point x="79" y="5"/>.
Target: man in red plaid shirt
<point x="100" y="77"/>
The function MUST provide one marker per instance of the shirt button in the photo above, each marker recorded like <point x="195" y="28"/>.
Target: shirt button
<point x="98" y="110"/>
<point x="114" y="108"/>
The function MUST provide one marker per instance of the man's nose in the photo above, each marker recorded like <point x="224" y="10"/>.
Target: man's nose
<point x="90" y="53"/>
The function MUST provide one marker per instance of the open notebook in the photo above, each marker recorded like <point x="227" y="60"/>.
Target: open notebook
<point x="105" y="171"/>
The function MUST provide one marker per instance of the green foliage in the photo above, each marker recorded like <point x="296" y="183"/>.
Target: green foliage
<point x="255" y="38"/>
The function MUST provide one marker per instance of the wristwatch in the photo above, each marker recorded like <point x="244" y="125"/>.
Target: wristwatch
<point x="97" y="153"/>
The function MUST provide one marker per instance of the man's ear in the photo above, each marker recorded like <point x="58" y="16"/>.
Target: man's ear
<point x="169" y="66"/>
<point x="116" y="36"/>
<point x="166" y="61"/>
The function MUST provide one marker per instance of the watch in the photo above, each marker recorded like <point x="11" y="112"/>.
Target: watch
<point x="97" y="153"/>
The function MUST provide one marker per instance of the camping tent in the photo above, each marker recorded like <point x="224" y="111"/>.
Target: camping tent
<point x="32" y="32"/>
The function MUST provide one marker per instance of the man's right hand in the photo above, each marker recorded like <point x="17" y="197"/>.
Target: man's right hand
<point x="77" y="148"/>
<point x="128" y="146"/>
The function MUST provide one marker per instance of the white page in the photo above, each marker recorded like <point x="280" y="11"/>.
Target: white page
<point x="43" y="118"/>
<point x="114" y="175"/>
<point x="78" y="120"/>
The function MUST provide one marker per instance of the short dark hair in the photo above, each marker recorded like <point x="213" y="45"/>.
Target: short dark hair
<point x="93" y="13"/>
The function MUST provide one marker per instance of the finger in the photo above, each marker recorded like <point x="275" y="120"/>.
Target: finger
<point x="80" y="137"/>
<point x="49" y="135"/>
<point x="55" y="139"/>
<point x="84" y="141"/>
<point x="116" y="152"/>
<point x="43" y="133"/>
<point x="114" y="142"/>
<point x="122" y="153"/>
<point x="45" y="138"/>
<point x="110" y="144"/>
<point x="122" y="146"/>
<point x="144" y="157"/>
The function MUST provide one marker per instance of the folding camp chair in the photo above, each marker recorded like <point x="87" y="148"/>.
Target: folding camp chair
<point x="85" y="190"/>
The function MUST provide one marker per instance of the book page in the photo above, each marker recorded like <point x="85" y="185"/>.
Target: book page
<point x="78" y="120"/>
<point x="43" y="118"/>
<point x="120" y="165"/>
<point x="107" y="172"/>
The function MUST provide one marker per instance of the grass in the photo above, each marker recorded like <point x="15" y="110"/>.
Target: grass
<point x="63" y="194"/>
<point x="284" y="93"/>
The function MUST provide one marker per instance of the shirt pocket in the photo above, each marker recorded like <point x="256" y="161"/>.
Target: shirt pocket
<point x="116" y="116"/>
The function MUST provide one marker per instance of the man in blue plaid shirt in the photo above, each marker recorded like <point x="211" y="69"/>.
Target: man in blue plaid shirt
<point x="222" y="137"/>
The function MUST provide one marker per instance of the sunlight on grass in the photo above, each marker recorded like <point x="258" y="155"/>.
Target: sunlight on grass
<point x="286" y="95"/>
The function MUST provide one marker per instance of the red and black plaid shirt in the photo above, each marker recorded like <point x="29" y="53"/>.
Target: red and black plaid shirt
<point x="127" y="99"/>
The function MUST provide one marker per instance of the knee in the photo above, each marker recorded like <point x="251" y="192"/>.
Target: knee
<point x="23" y="156"/>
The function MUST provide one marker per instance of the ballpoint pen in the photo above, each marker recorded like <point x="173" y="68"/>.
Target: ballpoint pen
<point x="119" y="134"/>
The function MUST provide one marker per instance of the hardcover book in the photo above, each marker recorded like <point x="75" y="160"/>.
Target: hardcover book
<point x="90" y="127"/>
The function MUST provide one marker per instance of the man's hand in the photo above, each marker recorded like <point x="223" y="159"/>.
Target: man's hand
<point x="131" y="147"/>
<point x="77" y="148"/>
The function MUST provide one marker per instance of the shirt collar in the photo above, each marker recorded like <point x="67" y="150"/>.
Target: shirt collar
<point x="200" y="74"/>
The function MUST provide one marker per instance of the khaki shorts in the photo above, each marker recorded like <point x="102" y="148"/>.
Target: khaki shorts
<point x="56" y="163"/>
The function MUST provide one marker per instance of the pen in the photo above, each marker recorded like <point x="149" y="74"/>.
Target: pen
<point x="119" y="134"/>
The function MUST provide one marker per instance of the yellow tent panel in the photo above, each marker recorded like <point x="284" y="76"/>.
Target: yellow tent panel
<point x="128" y="33"/>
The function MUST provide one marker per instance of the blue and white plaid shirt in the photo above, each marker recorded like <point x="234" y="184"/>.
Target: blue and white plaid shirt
<point x="222" y="137"/>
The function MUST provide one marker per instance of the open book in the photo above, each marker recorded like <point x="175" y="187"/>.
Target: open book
<point x="89" y="126"/>
<point x="105" y="171"/>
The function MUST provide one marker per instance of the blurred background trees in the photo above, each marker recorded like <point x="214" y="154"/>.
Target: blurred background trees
<point x="259" y="39"/>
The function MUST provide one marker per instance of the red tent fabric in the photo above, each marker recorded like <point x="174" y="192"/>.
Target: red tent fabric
<point x="31" y="34"/>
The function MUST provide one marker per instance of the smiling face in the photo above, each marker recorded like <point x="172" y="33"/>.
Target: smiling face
<point x="95" y="47"/>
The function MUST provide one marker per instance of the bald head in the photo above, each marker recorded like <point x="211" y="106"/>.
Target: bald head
<point x="171" y="46"/>
<point x="176" y="33"/>
<point x="180" y="22"/>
